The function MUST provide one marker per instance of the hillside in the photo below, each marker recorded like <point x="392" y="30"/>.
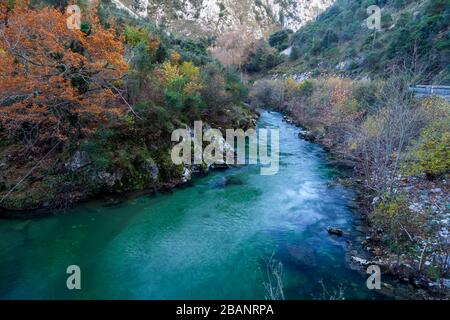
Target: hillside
<point x="414" y="33"/>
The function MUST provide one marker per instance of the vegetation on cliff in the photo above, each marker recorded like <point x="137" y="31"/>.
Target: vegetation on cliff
<point x="413" y="32"/>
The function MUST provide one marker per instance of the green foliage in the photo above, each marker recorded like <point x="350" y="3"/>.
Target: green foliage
<point x="432" y="151"/>
<point x="234" y="86"/>
<point x="262" y="59"/>
<point x="135" y="36"/>
<point x="280" y="40"/>
<point x="398" y="223"/>
<point x="98" y="148"/>
<point x="86" y="28"/>
<point x="174" y="99"/>
<point x="306" y="88"/>
<point x="295" y="53"/>
<point x="10" y="4"/>
<point x="420" y="39"/>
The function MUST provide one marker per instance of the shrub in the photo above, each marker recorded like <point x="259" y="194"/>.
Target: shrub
<point x="306" y="88"/>
<point x="399" y="224"/>
<point x="279" y="40"/>
<point x="295" y="53"/>
<point x="432" y="151"/>
<point x="134" y="36"/>
<point x="268" y="93"/>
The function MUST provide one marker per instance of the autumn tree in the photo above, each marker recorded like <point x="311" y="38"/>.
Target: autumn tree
<point x="56" y="83"/>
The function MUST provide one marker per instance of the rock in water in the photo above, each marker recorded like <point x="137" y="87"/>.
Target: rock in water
<point x="335" y="231"/>
<point x="307" y="135"/>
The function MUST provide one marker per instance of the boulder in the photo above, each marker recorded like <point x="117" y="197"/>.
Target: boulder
<point x="360" y="261"/>
<point x="152" y="169"/>
<point x="186" y="176"/>
<point x="376" y="200"/>
<point x="106" y="178"/>
<point x="307" y="135"/>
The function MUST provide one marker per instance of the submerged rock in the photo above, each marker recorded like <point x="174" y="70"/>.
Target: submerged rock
<point x="230" y="181"/>
<point x="301" y="255"/>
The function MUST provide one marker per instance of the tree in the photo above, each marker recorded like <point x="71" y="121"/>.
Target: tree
<point x="56" y="83"/>
<point x="384" y="136"/>
<point x="432" y="152"/>
<point x="295" y="53"/>
<point x="279" y="40"/>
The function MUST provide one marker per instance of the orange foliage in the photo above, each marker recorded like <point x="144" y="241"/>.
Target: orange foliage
<point x="55" y="83"/>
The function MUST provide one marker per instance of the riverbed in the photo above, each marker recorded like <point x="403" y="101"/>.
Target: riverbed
<point x="211" y="240"/>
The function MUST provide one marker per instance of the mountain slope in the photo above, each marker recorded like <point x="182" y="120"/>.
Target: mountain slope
<point x="415" y="33"/>
<point x="214" y="17"/>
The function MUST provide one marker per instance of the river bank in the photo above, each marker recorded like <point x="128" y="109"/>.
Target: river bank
<point x="408" y="269"/>
<point x="110" y="164"/>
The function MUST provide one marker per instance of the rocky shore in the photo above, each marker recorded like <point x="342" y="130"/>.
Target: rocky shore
<point x="79" y="179"/>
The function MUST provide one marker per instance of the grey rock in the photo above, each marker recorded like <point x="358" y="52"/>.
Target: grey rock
<point x="3" y="164"/>
<point x="375" y="201"/>
<point x="360" y="261"/>
<point x="446" y="283"/>
<point x="151" y="168"/>
<point x="107" y="178"/>
<point x="186" y="176"/>
<point x="307" y="135"/>
<point x="335" y="231"/>
<point x="415" y="207"/>
<point x="78" y="161"/>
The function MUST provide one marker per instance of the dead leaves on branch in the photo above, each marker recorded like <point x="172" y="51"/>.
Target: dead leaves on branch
<point x="59" y="82"/>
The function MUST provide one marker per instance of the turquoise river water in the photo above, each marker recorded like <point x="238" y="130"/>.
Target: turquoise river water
<point x="212" y="240"/>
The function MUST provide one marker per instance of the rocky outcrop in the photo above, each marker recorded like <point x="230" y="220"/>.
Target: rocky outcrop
<point x="107" y="179"/>
<point x="151" y="167"/>
<point x="307" y="135"/>
<point x="206" y="17"/>
<point x="79" y="160"/>
<point x="186" y="176"/>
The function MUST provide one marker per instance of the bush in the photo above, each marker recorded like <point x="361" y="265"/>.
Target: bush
<point x="134" y="36"/>
<point x="432" y="151"/>
<point x="306" y="88"/>
<point x="279" y="40"/>
<point x="268" y="93"/>
<point x="295" y="53"/>
<point x="398" y="223"/>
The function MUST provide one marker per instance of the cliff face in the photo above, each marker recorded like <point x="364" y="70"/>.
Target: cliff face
<point x="216" y="17"/>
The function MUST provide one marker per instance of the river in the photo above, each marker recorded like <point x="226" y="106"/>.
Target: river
<point x="212" y="240"/>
